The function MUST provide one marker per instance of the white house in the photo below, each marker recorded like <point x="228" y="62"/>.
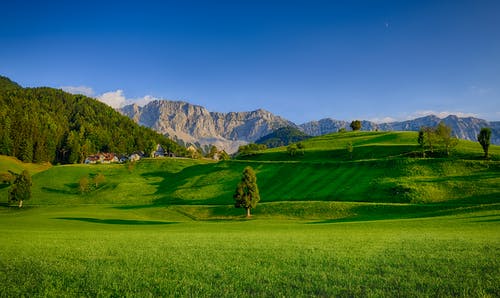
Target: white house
<point x="134" y="157"/>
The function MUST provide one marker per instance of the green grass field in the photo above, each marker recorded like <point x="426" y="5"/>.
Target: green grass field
<point x="384" y="223"/>
<point x="104" y="251"/>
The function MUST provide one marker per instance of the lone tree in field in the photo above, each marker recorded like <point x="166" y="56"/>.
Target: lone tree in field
<point x="247" y="192"/>
<point x="292" y="149"/>
<point x="356" y="125"/>
<point x="301" y="147"/>
<point x="350" y="148"/>
<point x="84" y="184"/>
<point x="21" y="188"/>
<point x="483" y="138"/>
<point x="421" y="141"/>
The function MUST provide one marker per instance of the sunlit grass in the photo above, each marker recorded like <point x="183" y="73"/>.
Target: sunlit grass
<point x="87" y="251"/>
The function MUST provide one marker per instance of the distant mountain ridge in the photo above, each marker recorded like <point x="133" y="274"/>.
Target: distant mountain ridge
<point x="195" y="124"/>
<point x="464" y="128"/>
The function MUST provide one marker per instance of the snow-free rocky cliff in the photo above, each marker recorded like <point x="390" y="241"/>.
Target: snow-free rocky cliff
<point x="195" y="124"/>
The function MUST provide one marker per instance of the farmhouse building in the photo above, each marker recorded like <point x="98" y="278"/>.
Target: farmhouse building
<point x="102" y="158"/>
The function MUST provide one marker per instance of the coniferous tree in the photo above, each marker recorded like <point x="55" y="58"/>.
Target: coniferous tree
<point x="421" y="141"/>
<point x="483" y="138"/>
<point x="5" y="139"/>
<point x="26" y="150"/>
<point x="247" y="192"/>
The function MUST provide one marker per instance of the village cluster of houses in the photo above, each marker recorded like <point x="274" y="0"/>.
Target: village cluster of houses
<point x="106" y="158"/>
<point x="112" y="158"/>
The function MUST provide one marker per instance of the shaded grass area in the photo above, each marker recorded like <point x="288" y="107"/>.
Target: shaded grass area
<point x="115" y="221"/>
<point x="323" y="212"/>
<point x="438" y="256"/>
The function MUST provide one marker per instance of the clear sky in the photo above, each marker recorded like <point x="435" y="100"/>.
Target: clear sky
<point x="303" y="60"/>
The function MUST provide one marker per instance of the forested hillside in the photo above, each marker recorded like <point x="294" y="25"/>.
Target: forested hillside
<point x="282" y="137"/>
<point x="46" y="124"/>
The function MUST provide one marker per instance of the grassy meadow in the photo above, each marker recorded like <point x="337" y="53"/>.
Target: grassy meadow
<point x="385" y="222"/>
<point x="104" y="251"/>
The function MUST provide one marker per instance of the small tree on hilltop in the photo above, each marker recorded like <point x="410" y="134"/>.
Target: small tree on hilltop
<point x="356" y="125"/>
<point x="224" y="156"/>
<point x="421" y="141"/>
<point x="21" y="188"/>
<point x="301" y="147"/>
<point x="429" y="137"/>
<point x="483" y="138"/>
<point x="292" y="149"/>
<point x="444" y="135"/>
<point x="84" y="184"/>
<point x="212" y="152"/>
<point x="247" y="192"/>
<point x="350" y="148"/>
<point x="99" y="179"/>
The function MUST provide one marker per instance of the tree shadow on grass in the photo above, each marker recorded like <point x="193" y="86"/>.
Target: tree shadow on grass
<point x="184" y="187"/>
<point x="116" y="221"/>
<point x="489" y="220"/>
<point x="408" y="211"/>
<point x="73" y="188"/>
<point x="60" y="191"/>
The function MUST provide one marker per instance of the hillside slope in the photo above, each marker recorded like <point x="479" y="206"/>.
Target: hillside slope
<point x="46" y="124"/>
<point x="282" y="137"/>
<point x="382" y="172"/>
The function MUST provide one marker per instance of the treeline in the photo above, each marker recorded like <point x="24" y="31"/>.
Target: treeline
<point x="46" y="124"/>
<point x="250" y="149"/>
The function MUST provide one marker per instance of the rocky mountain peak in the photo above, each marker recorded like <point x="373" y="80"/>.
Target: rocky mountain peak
<point x="195" y="124"/>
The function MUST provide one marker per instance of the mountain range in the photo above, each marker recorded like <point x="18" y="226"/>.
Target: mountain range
<point x="188" y="123"/>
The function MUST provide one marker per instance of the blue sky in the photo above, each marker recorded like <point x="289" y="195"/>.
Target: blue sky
<point x="303" y="60"/>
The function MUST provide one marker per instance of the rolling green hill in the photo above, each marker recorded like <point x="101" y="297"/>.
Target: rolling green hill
<point x="385" y="169"/>
<point x="384" y="223"/>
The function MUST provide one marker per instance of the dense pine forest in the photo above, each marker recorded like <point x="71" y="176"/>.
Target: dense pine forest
<point x="50" y="125"/>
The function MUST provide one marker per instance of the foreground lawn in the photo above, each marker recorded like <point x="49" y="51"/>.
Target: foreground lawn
<point x="108" y="251"/>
